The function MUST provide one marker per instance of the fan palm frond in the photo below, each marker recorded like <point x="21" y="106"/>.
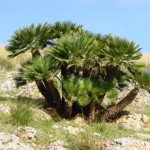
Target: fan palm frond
<point x="29" y="38"/>
<point x="76" y="49"/>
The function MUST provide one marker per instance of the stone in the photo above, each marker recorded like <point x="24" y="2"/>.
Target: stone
<point x="143" y="136"/>
<point x="38" y="113"/>
<point x="7" y="85"/>
<point x="134" y="121"/>
<point x="57" y="126"/>
<point x="141" y="100"/>
<point x="125" y="144"/>
<point x="12" y="142"/>
<point x="96" y="134"/>
<point x="73" y="130"/>
<point x="79" y="120"/>
<point x="57" y="145"/>
<point x="5" y="108"/>
<point x="28" y="133"/>
<point x="145" y="118"/>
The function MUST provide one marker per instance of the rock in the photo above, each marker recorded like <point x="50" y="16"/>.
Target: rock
<point x="145" y="118"/>
<point x="41" y="114"/>
<point x="57" y="145"/>
<point x="12" y="142"/>
<point x="142" y="99"/>
<point x="57" y="126"/>
<point x="7" y="85"/>
<point x="125" y="144"/>
<point x="134" y="121"/>
<point x="143" y="136"/>
<point x="5" y="108"/>
<point x="28" y="133"/>
<point x="73" y="130"/>
<point x="29" y="90"/>
<point x="70" y="129"/>
<point x="96" y="134"/>
<point x="79" y="120"/>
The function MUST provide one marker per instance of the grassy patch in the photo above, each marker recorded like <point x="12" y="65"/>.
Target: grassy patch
<point x="11" y="63"/>
<point x="110" y="131"/>
<point x="21" y="114"/>
<point x="84" y="141"/>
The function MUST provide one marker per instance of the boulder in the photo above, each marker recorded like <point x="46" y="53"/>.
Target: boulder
<point x="12" y="142"/>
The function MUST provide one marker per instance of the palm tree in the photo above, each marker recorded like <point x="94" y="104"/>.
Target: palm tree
<point x="119" y="56"/>
<point x="35" y="38"/>
<point x="69" y="57"/>
<point x="31" y="38"/>
<point x="80" y="68"/>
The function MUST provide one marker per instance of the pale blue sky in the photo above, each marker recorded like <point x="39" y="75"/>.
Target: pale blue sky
<point x="126" y="18"/>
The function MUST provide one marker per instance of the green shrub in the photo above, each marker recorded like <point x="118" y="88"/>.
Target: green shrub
<point x="21" y="114"/>
<point x="84" y="141"/>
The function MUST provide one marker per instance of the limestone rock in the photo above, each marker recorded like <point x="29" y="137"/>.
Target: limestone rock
<point x="79" y="120"/>
<point x="28" y="133"/>
<point x="134" y="121"/>
<point x="4" y="108"/>
<point x="73" y="130"/>
<point x="12" y="142"/>
<point x="38" y="113"/>
<point x="57" y="145"/>
<point x="126" y="144"/>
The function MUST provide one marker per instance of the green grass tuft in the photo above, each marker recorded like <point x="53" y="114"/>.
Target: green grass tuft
<point x="21" y="114"/>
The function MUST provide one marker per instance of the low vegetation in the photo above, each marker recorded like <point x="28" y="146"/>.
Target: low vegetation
<point x="92" y="133"/>
<point x="21" y="114"/>
<point x="11" y="64"/>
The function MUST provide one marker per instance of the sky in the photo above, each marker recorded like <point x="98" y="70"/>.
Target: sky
<point x="128" y="19"/>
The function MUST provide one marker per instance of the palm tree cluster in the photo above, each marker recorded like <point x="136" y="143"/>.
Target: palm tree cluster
<point x="75" y="69"/>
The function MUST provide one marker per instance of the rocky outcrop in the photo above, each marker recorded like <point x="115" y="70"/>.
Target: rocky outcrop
<point x="70" y="129"/>
<point x="7" y="85"/>
<point x="27" y="133"/>
<point x="125" y="144"/>
<point x="12" y="142"/>
<point x="39" y="113"/>
<point x="142" y="99"/>
<point x="57" y="145"/>
<point x="4" y="109"/>
<point x="135" y="121"/>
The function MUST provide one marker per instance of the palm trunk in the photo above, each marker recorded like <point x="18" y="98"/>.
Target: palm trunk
<point x="35" y="53"/>
<point x="92" y="110"/>
<point x="47" y="88"/>
<point x="66" y="110"/>
<point x="45" y="92"/>
<point x="56" y="96"/>
<point x="114" y="110"/>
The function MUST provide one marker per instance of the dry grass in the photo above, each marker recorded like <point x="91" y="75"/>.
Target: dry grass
<point x="11" y="63"/>
<point x="145" y="59"/>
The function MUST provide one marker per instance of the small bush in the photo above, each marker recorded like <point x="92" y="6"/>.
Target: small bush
<point x="83" y="141"/>
<point x="21" y="114"/>
<point x="103" y="127"/>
